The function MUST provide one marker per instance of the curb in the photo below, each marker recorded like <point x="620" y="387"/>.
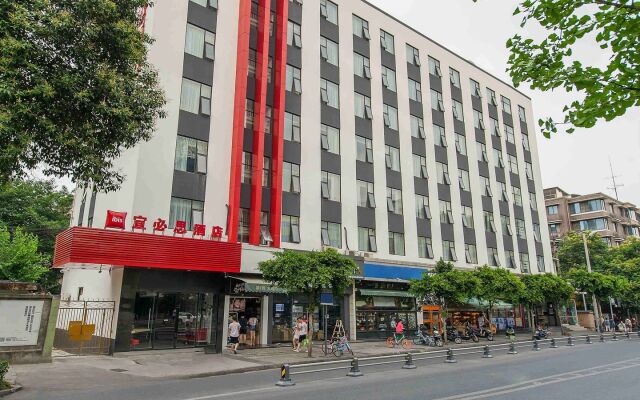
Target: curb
<point x="12" y="389"/>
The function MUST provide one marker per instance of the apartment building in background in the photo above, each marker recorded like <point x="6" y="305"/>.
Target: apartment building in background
<point x="303" y="125"/>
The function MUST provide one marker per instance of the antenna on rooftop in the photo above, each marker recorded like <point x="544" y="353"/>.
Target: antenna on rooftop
<point x="613" y="180"/>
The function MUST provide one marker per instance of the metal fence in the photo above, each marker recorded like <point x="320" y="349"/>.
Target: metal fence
<point x="449" y="355"/>
<point x="85" y="327"/>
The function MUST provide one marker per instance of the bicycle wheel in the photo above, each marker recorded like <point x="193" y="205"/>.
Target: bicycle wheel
<point x="391" y="342"/>
<point x="475" y="339"/>
<point x="439" y="343"/>
<point x="418" y="340"/>
<point x="336" y="351"/>
<point x="458" y="340"/>
<point x="406" y="344"/>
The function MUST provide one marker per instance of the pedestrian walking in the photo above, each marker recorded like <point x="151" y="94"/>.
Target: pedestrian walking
<point x="296" y="334"/>
<point x="399" y="329"/>
<point x="627" y="323"/>
<point x="602" y="322"/>
<point x="303" y="334"/>
<point x="252" y="326"/>
<point x="234" y="334"/>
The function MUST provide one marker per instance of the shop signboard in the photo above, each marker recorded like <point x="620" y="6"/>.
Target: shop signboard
<point x="118" y="220"/>
<point x="20" y="322"/>
<point x="326" y="299"/>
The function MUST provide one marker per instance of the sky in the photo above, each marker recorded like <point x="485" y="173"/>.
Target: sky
<point x="578" y="163"/>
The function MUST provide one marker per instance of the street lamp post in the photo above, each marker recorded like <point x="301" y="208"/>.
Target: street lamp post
<point x="596" y="314"/>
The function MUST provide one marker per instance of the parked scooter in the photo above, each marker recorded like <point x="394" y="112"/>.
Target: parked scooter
<point x="423" y="337"/>
<point x="484" y="333"/>
<point x="453" y="335"/>
<point x="469" y="334"/>
<point x="541" y="333"/>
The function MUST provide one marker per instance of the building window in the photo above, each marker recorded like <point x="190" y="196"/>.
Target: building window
<point x="425" y="247"/>
<point x="330" y="185"/>
<point x="389" y="79"/>
<point x="489" y="223"/>
<point x="364" y="149"/>
<point x="415" y="91"/>
<point x="294" y="35"/>
<point x="457" y="110"/>
<point x="361" y="66"/>
<point x="524" y="263"/>
<point x="392" y="158"/>
<point x="522" y="114"/>
<point x="461" y="144"/>
<point x="247" y="164"/>
<point x="331" y="234"/>
<point x="243" y="225"/>
<point x="361" y="28"/>
<point x="329" y="11"/>
<point x="394" y="201"/>
<point x="464" y="181"/>
<point x="423" y="211"/>
<point x="497" y="155"/>
<point x="386" y="41"/>
<point x="266" y="172"/>
<point x="510" y="135"/>
<point x="200" y="43"/>
<point x="449" y="251"/>
<point x="454" y="77"/>
<point x="506" y="105"/>
<point x="436" y="101"/>
<point x="506" y="225"/>
<point x="513" y="164"/>
<point x="290" y="177"/>
<point x="510" y="257"/>
<point x="443" y="174"/>
<point x="525" y="143"/>
<point x="467" y="217"/>
<point x="329" y="51"/>
<point x="553" y="229"/>
<point x="329" y="93"/>
<point x="417" y="127"/>
<point x="586" y="206"/>
<point x="265" y="232"/>
<point x="362" y="105"/>
<point x="290" y="229"/>
<point x="533" y="202"/>
<point x="481" y="148"/>
<point x="541" y="267"/>
<point x="191" y="155"/>
<point x="330" y="139"/>
<point x="434" y="67"/>
<point x="413" y="55"/>
<point x="293" y="83"/>
<point x="517" y="196"/>
<point x="494" y="259"/>
<point x="597" y="224"/>
<point x="492" y="97"/>
<point x="485" y="185"/>
<point x="470" y="253"/>
<point x="367" y="239"/>
<point x="495" y="127"/>
<point x="396" y="243"/>
<point x="254" y="14"/>
<point x="529" y="170"/>
<point x="536" y="232"/>
<point x="475" y="88"/>
<point x="366" y="197"/>
<point x="195" y="97"/>
<point x="207" y="3"/>
<point x="478" y="120"/>
<point x="251" y="66"/>
<point x="439" y="136"/>
<point x="521" y="229"/>
<point x="291" y="127"/>
<point x="503" y="190"/>
<point x="249" y="113"/>
<point x="420" y="167"/>
<point x="390" y="115"/>
<point x="189" y="211"/>
<point x="446" y="214"/>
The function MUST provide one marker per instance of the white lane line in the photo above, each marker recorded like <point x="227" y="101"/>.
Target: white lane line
<point x="229" y="394"/>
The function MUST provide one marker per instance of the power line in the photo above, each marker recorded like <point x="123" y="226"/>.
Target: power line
<point x="615" y="185"/>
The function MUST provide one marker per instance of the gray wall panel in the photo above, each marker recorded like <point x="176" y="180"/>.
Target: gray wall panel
<point x="437" y="117"/>
<point x="418" y="146"/>
<point x="194" y="126"/>
<point x="444" y="192"/>
<point x="204" y="17"/>
<point x="331" y="211"/>
<point x="394" y="179"/>
<point x="367" y="217"/>
<point x="435" y="82"/>
<point x="447" y="232"/>
<point x="330" y="116"/>
<point x="364" y="127"/>
<point x="292" y="152"/>
<point x="362" y="85"/>
<point x="421" y="186"/>
<point x="491" y="239"/>
<point x="198" y="69"/>
<point x="469" y="235"/>
<point x="329" y="30"/>
<point x="290" y="204"/>
<point x="330" y="162"/>
<point x="487" y="204"/>
<point x="396" y="223"/>
<point x="391" y="137"/>
<point x="187" y="185"/>
<point x="364" y="171"/>
<point x="424" y="227"/>
<point x="361" y="46"/>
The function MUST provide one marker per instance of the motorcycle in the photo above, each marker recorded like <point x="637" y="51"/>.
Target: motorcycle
<point x="469" y="334"/>
<point x="454" y="335"/>
<point x="541" y="333"/>
<point x="484" y="333"/>
<point x="423" y="337"/>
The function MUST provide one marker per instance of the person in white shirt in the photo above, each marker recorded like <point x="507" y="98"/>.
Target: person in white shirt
<point x="234" y="334"/>
<point x="303" y="333"/>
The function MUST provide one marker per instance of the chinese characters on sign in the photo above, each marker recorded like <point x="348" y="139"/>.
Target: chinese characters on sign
<point x="20" y="322"/>
<point x="117" y="220"/>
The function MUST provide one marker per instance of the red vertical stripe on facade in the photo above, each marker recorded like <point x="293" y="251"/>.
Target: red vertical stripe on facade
<point x="260" y="104"/>
<point x="242" y="65"/>
<point x="280" y="77"/>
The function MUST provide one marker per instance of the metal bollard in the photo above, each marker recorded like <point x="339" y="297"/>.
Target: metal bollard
<point x="450" y="358"/>
<point x="355" y="368"/>
<point x="639" y="333"/>
<point x="409" y="362"/>
<point x="570" y="341"/>
<point x="615" y="337"/>
<point x="553" y="343"/>
<point x="588" y="340"/>
<point x="627" y="335"/>
<point x="487" y="352"/>
<point x="601" y="338"/>
<point x="512" y="348"/>
<point x="536" y="346"/>
<point x="285" y="378"/>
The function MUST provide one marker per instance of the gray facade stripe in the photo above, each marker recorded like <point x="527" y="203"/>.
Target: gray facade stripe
<point x="367" y="217"/>
<point x="330" y="162"/>
<point x="469" y="235"/>
<point x="446" y="231"/>
<point x="424" y="227"/>
<point x="193" y="126"/>
<point x="290" y="204"/>
<point x="331" y="211"/>
<point x="292" y="152"/>
<point x="364" y="171"/>
<point x="198" y="69"/>
<point x="396" y="223"/>
<point x="394" y="179"/>
<point x="444" y="192"/>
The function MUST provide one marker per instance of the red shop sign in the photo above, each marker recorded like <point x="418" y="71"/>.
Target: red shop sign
<point x="115" y="220"/>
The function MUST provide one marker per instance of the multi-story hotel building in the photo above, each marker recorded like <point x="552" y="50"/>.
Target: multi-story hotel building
<point x="304" y="125"/>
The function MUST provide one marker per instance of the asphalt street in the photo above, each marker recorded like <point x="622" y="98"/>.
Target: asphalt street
<point x="593" y="371"/>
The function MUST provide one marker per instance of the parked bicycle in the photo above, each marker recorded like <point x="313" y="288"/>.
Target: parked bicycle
<point x="395" y="340"/>
<point x="340" y="346"/>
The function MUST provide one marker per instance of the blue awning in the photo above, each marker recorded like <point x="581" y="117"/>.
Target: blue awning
<point x="392" y="272"/>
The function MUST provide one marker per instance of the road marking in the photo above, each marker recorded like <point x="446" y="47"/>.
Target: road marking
<point x="547" y="380"/>
<point x="217" y="396"/>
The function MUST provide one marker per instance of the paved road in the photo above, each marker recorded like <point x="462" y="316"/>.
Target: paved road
<point x="583" y="372"/>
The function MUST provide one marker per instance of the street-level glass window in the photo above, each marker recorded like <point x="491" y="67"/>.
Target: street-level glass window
<point x="195" y="97"/>
<point x="415" y="91"/>
<point x="392" y="157"/>
<point x="243" y="225"/>
<point x="478" y="120"/>
<point x="439" y="136"/>
<point x="361" y="66"/>
<point x="521" y="229"/>
<point x="413" y="55"/>
<point x="497" y="157"/>
<point x="386" y="41"/>
<point x="290" y="177"/>
<point x="366" y="197"/>
<point x="491" y="95"/>
<point x="247" y="162"/>
<point x="294" y="37"/>
<point x="485" y="186"/>
<point x="364" y="149"/>
<point x="329" y="51"/>
<point x="475" y="88"/>
<point x="189" y="211"/>
<point x="361" y="27"/>
<point x="434" y="67"/>
<point x="449" y="251"/>
<point x="394" y="201"/>
<point x="529" y="169"/>
<point x="200" y="42"/>
<point x="425" y="247"/>
<point x="423" y="211"/>
<point x="266" y="172"/>
<point x="417" y="127"/>
<point x="293" y="83"/>
<point x="362" y="106"/>
<point x="457" y="110"/>
<point x="489" y="223"/>
<point x="446" y="213"/>
<point x="510" y="135"/>
<point x="467" y="217"/>
<point x="461" y="144"/>
<point x="367" y="239"/>
<point x="517" y="196"/>
<point x="396" y="243"/>
<point x="389" y="79"/>
<point x="290" y="229"/>
<point x="191" y="155"/>
<point x="513" y="164"/>
<point x="510" y="257"/>
<point x="291" y="127"/>
<point x="330" y="185"/>
<point x="330" y="139"/>
<point x="420" y="166"/>
<point x="331" y="234"/>
<point x="443" y="173"/>
<point x="329" y="93"/>
<point x="524" y="263"/>
<point x="390" y="115"/>
<point x="454" y="77"/>
<point x="494" y="258"/>
<point x="329" y="11"/>
<point x="481" y="148"/>
<point x="471" y="253"/>
<point x="522" y="114"/>
<point x="506" y="225"/>
<point x="436" y="101"/>
<point x="541" y="267"/>
<point x="506" y="104"/>
<point x="463" y="177"/>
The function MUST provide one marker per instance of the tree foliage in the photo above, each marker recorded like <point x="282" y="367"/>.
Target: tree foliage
<point x="571" y="252"/>
<point x="497" y="284"/>
<point x="602" y="285"/>
<point x="453" y="286"/>
<point x="20" y="259"/>
<point x="603" y="92"/>
<point x="76" y="88"/>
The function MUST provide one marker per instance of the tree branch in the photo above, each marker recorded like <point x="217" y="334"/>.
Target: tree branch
<point x="633" y="6"/>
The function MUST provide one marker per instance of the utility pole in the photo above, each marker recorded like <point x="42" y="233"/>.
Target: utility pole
<point x="613" y="180"/>
<point x="596" y="314"/>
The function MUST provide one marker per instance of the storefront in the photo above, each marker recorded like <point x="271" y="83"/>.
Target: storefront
<point x="431" y="318"/>
<point x="504" y="315"/>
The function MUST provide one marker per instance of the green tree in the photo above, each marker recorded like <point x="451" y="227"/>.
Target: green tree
<point x="571" y="252"/>
<point x="602" y="92"/>
<point x="20" y="259"/>
<point x="497" y="284"/>
<point x="542" y="288"/>
<point x="76" y="88"/>
<point x="603" y="286"/>
<point x="310" y="274"/>
<point x="625" y="262"/>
